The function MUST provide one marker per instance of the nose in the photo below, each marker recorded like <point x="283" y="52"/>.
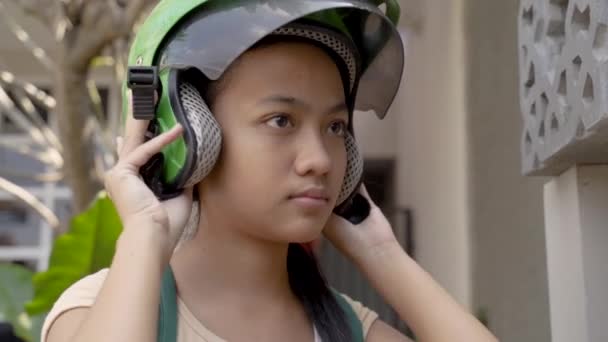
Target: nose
<point x="313" y="157"/>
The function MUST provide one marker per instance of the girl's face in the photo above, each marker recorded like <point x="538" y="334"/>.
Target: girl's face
<point x="283" y="117"/>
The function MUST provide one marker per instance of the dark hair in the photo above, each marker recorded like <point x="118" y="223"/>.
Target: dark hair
<point x="305" y="277"/>
<point x="309" y="285"/>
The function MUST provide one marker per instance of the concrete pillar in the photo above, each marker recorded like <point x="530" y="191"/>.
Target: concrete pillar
<point x="576" y="216"/>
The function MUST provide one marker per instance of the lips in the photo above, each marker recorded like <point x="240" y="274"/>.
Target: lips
<point x="312" y="193"/>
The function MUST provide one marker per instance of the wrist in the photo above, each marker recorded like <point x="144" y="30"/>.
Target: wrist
<point x="148" y="236"/>
<point x="380" y="255"/>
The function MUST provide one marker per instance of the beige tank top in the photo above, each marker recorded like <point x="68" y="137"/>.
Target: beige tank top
<point x="189" y="329"/>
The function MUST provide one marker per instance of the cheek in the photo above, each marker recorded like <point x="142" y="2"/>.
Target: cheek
<point x="253" y="164"/>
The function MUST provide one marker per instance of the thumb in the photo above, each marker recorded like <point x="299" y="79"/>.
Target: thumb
<point x="336" y="227"/>
<point x="119" y="143"/>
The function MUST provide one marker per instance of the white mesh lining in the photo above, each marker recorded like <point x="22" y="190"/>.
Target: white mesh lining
<point x="354" y="169"/>
<point x="206" y="129"/>
<point x="328" y="40"/>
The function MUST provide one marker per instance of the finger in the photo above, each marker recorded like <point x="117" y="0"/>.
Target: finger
<point x="119" y="144"/>
<point x="337" y="230"/>
<point x="134" y="134"/>
<point x="144" y="152"/>
<point x="189" y="191"/>
<point x="363" y="191"/>
<point x="135" y="130"/>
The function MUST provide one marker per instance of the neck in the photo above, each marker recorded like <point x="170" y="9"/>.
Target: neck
<point x="221" y="262"/>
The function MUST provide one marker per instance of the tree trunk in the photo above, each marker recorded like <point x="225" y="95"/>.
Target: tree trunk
<point x="72" y="111"/>
<point x="93" y="25"/>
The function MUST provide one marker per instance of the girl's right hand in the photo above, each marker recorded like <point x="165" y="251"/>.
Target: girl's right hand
<point x="137" y="206"/>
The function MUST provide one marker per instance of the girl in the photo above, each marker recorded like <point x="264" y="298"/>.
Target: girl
<point x="272" y="85"/>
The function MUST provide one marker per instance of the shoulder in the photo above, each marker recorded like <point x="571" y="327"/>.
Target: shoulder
<point x="364" y="314"/>
<point x="81" y="294"/>
<point x="374" y="329"/>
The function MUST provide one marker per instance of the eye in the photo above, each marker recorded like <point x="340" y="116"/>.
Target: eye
<point x="280" y="121"/>
<point x="338" y="128"/>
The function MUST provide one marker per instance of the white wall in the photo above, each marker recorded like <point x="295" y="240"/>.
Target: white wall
<point x="431" y="140"/>
<point x="425" y="131"/>
<point x="377" y="139"/>
<point x="507" y="234"/>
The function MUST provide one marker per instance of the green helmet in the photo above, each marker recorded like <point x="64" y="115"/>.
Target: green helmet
<point x="206" y="36"/>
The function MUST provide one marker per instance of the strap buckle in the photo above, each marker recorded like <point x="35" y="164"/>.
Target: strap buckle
<point x="144" y="82"/>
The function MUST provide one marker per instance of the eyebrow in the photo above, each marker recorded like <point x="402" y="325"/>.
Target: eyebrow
<point x="292" y="101"/>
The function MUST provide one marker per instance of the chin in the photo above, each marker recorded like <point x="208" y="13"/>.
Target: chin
<point x="288" y="226"/>
<point x="299" y="232"/>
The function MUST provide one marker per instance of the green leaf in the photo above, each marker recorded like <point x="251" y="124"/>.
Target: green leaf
<point x="87" y="247"/>
<point x="29" y="328"/>
<point x="102" y="61"/>
<point x="393" y="11"/>
<point x="15" y="291"/>
<point x="330" y="17"/>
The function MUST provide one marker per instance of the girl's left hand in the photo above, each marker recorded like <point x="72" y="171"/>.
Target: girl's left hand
<point x="364" y="240"/>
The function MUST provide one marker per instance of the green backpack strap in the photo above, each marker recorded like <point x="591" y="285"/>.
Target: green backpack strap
<point x="356" y="328"/>
<point x="167" y="321"/>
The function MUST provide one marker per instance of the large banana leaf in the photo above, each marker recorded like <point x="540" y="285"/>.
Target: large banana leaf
<point x="85" y="248"/>
<point x="15" y="291"/>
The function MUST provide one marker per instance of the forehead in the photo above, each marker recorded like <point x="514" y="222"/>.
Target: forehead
<point x="287" y="66"/>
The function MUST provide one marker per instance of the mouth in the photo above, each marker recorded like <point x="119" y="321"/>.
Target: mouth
<point x="313" y="197"/>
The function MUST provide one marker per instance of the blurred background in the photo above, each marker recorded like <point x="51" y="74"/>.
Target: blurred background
<point x="445" y="165"/>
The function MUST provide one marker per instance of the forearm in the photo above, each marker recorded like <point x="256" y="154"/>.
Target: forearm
<point x="126" y="308"/>
<point x="428" y="309"/>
